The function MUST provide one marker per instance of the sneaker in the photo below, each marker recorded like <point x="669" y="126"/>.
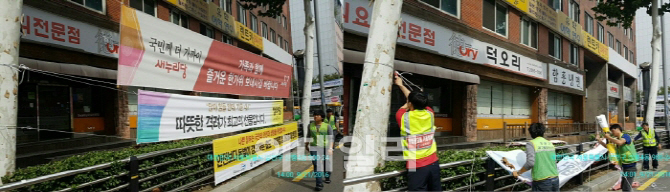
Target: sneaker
<point x="327" y="180"/>
<point x="654" y="169"/>
<point x="318" y="187"/>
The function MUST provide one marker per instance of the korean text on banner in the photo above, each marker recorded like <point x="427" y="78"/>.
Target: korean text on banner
<point x="566" y="78"/>
<point x="221" y="19"/>
<point x="595" y="46"/>
<point x="248" y="36"/>
<point x="236" y="154"/>
<point x="166" y="117"/>
<point x="156" y="53"/>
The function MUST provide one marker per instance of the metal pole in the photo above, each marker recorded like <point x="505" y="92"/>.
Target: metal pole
<point x="320" y="61"/>
<point x="665" y="72"/>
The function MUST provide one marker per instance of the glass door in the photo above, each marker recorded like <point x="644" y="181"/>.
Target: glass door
<point x="54" y="112"/>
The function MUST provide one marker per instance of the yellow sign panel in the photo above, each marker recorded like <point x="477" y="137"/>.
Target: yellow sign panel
<point x="520" y="4"/>
<point x="197" y="9"/>
<point x="569" y="28"/>
<point x="221" y="20"/>
<point x="248" y="36"/>
<point x="233" y="150"/>
<point x="595" y="46"/>
<point x="278" y="112"/>
<point x="181" y="4"/>
<point x="543" y="14"/>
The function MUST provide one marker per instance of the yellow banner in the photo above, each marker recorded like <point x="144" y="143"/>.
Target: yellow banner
<point x="234" y="150"/>
<point x="522" y="5"/>
<point x="595" y="46"/>
<point x="181" y="4"/>
<point x="569" y="28"/>
<point x="248" y="36"/>
<point x="278" y="112"/>
<point x="221" y="20"/>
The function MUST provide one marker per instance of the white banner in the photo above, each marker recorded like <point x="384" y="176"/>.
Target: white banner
<point x="331" y="83"/>
<point x="566" y="78"/>
<point x="45" y="27"/>
<point x="432" y="37"/>
<point x="568" y="167"/>
<point x="166" y="117"/>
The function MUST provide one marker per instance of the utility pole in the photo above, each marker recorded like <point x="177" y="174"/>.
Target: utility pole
<point x="318" y="50"/>
<point x="374" y="100"/>
<point x="665" y="73"/>
<point x="10" y="30"/>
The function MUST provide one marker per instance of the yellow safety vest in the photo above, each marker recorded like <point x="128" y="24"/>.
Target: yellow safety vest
<point x="649" y="140"/>
<point x="418" y="130"/>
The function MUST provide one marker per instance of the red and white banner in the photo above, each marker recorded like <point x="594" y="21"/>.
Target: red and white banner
<point x="157" y="53"/>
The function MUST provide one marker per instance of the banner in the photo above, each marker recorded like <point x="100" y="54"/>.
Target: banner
<point x="568" y="167"/>
<point x="157" y="53"/>
<point x="331" y="83"/>
<point x="237" y="154"/>
<point x="166" y="117"/>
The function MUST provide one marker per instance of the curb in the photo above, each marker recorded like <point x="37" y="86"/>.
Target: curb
<point x="601" y="183"/>
<point x="249" y="179"/>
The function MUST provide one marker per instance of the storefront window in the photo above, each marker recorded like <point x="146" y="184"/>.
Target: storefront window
<point x="83" y="103"/>
<point x="502" y="99"/>
<point x="559" y="105"/>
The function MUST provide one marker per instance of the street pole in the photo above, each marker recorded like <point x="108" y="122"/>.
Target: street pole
<point x="10" y="30"/>
<point x="308" y="58"/>
<point x="318" y="50"/>
<point x="665" y="73"/>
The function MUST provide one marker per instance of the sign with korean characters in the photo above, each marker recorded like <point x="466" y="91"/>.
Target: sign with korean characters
<point x="432" y="37"/>
<point x="234" y="155"/>
<point x="522" y="5"/>
<point x="248" y="36"/>
<point x="166" y="117"/>
<point x="595" y="46"/>
<point x="613" y="89"/>
<point x="563" y="77"/>
<point x="197" y="9"/>
<point x="568" y="28"/>
<point x="221" y="20"/>
<point x="156" y="53"/>
<point x="548" y="16"/>
<point x="181" y="4"/>
<point x="47" y="28"/>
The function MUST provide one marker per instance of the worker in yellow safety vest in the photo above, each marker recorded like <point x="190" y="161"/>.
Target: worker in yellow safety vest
<point x="651" y="147"/>
<point x="417" y="128"/>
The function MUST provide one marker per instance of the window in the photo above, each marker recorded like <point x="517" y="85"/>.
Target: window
<point x="574" y="54"/>
<point x="179" y="19"/>
<point x="625" y="52"/>
<point x="146" y="6"/>
<point x="631" y="57"/>
<point x="241" y="14"/>
<point x="631" y="34"/>
<point x="495" y="17"/>
<point x="501" y="99"/>
<point x="98" y="5"/>
<point x="280" y="42"/>
<point x="289" y="50"/>
<point x="559" y="105"/>
<point x="610" y="40"/>
<point x="588" y="25"/>
<point x="601" y="33"/>
<point x="285" y="24"/>
<point x="450" y="6"/>
<point x="618" y="47"/>
<point x="226" y="39"/>
<point x="226" y="5"/>
<point x="264" y="28"/>
<point x="555" y="46"/>
<point x="529" y="33"/>
<point x="254" y="23"/>
<point x="206" y="31"/>
<point x="573" y="12"/>
<point x="556" y="4"/>
<point x="273" y="36"/>
<point x="625" y="32"/>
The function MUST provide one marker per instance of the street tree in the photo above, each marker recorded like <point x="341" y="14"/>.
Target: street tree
<point x="10" y="27"/>
<point x="622" y="12"/>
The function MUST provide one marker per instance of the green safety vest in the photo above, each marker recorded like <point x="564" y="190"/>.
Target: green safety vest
<point x="627" y="153"/>
<point x="418" y="129"/>
<point x="323" y="132"/>
<point x="331" y="121"/>
<point x="545" y="164"/>
<point x="649" y="140"/>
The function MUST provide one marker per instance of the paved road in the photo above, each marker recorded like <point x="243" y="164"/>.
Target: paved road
<point x="304" y="183"/>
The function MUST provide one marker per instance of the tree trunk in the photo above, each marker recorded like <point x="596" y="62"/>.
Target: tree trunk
<point x="655" y="62"/>
<point x="10" y="34"/>
<point x="374" y="100"/>
<point x="309" y="64"/>
<point x="123" y="124"/>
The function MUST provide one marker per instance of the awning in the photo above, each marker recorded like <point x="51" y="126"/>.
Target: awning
<point x="429" y="70"/>
<point x="70" y="69"/>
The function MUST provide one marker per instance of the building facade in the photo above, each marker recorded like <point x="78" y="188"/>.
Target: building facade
<point x="80" y="39"/>
<point x="490" y="63"/>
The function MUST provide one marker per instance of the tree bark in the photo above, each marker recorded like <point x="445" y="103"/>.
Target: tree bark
<point x="123" y="125"/>
<point x="655" y="63"/>
<point x="470" y="113"/>
<point x="309" y="64"/>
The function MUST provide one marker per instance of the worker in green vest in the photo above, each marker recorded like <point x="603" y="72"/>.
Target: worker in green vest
<point x="651" y="147"/>
<point x="333" y="121"/>
<point x="625" y="152"/>
<point x="320" y="147"/>
<point x="540" y="160"/>
<point x="417" y="128"/>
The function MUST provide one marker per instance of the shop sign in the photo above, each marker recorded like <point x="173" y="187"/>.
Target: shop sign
<point x="221" y="20"/>
<point x="613" y="89"/>
<point x="167" y="117"/>
<point x="329" y="100"/>
<point x="415" y="32"/>
<point x="248" y="36"/>
<point x="331" y="83"/>
<point x="563" y="77"/>
<point x="196" y="8"/>
<point x="234" y="155"/>
<point x="44" y="27"/>
<point x="328" y="92"/>
<point x="595" y="46"/>
<point x="627" y="94"/>
<point x="160" y="54"/>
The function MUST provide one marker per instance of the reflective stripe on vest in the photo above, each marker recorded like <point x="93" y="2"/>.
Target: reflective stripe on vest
<point x="323" y="131"/>
<point x="649" y="140"/>
<point x="418" y="134"/>
<point x="545" y="160"/>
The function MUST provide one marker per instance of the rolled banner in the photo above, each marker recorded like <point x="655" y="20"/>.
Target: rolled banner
<point x="612" y="152"/>
<point x="602" y="122"/>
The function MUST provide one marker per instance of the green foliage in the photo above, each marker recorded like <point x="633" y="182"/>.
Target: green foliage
<point x="326" y="77"/>
<point x="270" y="8"/>
<point x="100" y="157"/>
<point x="623" y="11"/>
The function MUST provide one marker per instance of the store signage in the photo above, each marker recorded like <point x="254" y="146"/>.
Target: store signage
<point x="563" y="77"/>
<point x="248" y="36"/>
<point x="195" y="8"/>
<point x="167" y="117"/>
<point x="627" y="94"/>
<point x="595" y="46"/>
<point x="234" y="155"/>
<point x="329" y="100"/>
<point x="156" y="53"/>
<point x="331" y="83"/>
<point x="613" y="89"/>
<point x="44" y="27"/>
<point x="336" y="91"/>
<point x="415" y="32"/>
<point x="221" y="20"/>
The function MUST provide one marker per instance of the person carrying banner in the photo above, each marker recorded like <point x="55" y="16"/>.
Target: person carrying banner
<point x="651" y="147"/>
<point x="417" y="127"/>
<point x="625" y="152"/>
<point x="540" y="160"/>
<point x="320" y="148"/>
